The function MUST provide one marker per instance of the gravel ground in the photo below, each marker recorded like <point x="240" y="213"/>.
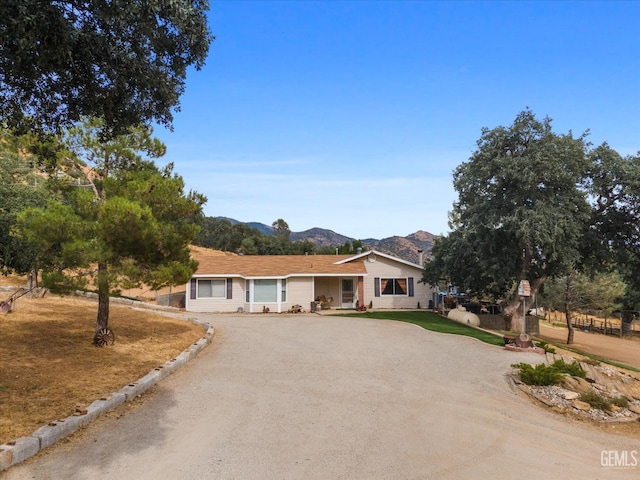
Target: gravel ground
<point x="314" y="397"/>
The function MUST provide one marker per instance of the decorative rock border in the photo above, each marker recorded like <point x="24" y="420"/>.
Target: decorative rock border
<point x="23" y="448"/>
<point x="602" y="379"/>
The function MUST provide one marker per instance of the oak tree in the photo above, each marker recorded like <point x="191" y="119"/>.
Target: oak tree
<point x="615" y="189"/>
<point x="520" y="215"/>
<point x="21" y="186"/>
<point x="125" y="61"/>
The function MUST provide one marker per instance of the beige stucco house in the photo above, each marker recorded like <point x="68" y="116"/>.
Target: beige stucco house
<point x="252" y="283"/>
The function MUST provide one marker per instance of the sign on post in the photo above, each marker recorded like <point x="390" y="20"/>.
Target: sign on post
<point x="524" y="290"/>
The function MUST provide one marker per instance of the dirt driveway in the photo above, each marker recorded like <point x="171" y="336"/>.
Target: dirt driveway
<point x="622" y="350"/>
<point x="314" y="397"/>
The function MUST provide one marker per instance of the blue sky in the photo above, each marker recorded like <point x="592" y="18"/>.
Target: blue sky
<point x="352" y="115"/>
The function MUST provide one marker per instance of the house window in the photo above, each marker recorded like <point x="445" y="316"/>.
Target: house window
<point x="393" y="286"/>
<point x="247" y="291"/>
<point x="212" y="288"/>
<point x="265" y="291"/>
<point x="283" y="290"/>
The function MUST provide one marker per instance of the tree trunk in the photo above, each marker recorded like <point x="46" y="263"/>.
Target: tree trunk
<point x="514" y="311"/>
<point x="567" y="310"/>
<point x="102" y="320"/>
<point x="626" y="317"/>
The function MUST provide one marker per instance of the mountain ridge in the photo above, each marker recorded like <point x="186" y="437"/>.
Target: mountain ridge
<point x="407" y="247"/>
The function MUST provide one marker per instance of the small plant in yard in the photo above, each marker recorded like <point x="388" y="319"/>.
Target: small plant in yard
<point x="541" y="374"/>
<point x="574" y="369"/>
<point x="596" y="400"/>
<point x="592" y="361"/>
<point x="621" y="402"/>
<point x="546" y="347"/>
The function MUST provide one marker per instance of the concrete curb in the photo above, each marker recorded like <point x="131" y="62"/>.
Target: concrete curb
<point x="25" y="447"/>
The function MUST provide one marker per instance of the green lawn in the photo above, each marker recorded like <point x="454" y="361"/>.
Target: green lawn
<point x="431" y="321"/>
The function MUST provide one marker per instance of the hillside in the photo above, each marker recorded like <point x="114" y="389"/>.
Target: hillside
<point x="402" y="247"/>
<point x="321" y="237"/>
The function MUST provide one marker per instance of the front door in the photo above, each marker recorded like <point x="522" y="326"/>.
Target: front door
<point x="347" y="293"/>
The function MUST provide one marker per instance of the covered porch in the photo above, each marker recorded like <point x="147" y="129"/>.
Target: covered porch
<point x="338" y="292"/>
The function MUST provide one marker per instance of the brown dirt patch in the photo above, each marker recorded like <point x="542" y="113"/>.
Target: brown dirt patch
<point x="50" y="366"/>
<point x="622" y="350"/>
<point x="11" y="280"/>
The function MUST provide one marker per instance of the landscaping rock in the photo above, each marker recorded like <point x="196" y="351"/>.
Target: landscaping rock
<point x="592" y="375"/>
<point x="569" y="395"/>
<point x="570" y="383"/>
<point x="584" y="385"/>
<point x="635" y="409"/>
<point x="632" y="388"/>
<point x="580" y="405"/>
<point x="575" y="384"/>
<point x="604" y="380"/>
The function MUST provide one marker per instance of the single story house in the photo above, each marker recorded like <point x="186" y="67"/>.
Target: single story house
<point x="254" y="283"/>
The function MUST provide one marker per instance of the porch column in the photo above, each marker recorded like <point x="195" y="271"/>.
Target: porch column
<point x="361" y="290"/>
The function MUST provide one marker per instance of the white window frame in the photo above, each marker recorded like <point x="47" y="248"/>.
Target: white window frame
<point x="276" y="302"/>
<point x="211" y="280"/>
<point x="259" y="284"/>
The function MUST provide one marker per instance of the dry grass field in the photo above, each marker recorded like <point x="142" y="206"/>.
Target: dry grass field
<point x="49" y="366"/>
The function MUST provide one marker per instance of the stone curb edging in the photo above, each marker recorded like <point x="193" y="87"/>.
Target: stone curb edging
<point x="23" y="448"/>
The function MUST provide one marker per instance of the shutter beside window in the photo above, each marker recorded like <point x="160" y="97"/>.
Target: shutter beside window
<point x="410" y="287"/>
<point x="376" y="287"/>
<point x="229" y="288"/>
<point x="194" y="285"/>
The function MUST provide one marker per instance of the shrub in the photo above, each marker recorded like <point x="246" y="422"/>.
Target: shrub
<point x="574" y="369"/>
<point x="541" y="374"/>
<point x="546" y="347"/>
<point x="621" y="402"/>
<point x="596" y="401"/>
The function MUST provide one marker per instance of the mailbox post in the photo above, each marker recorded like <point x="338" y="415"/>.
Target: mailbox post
<point x="524" y="290"/>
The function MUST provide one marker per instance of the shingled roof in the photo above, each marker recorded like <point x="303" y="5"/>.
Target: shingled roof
<point x="274" y="265"/>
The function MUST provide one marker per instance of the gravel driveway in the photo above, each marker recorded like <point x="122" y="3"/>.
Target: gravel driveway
<point x="314" y="397"/>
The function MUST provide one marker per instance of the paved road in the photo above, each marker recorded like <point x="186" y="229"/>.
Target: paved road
<point x="313" y="397"/>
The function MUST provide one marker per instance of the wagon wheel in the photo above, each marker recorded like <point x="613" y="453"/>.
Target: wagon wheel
<point x="104" y="336"/>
